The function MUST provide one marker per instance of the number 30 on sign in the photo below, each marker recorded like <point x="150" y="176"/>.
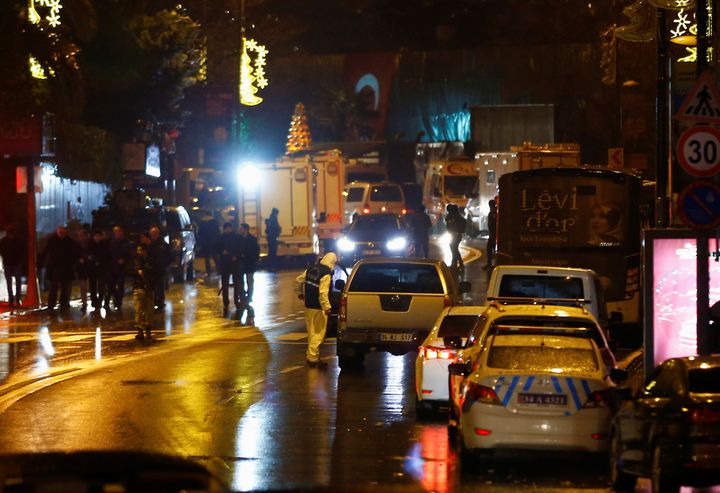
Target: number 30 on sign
<point x="698" y="151"/>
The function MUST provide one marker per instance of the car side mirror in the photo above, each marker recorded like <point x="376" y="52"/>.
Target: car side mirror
<point x="465" y="286"/>
<point x="340" y="284"/>
<point x="458" y="369"/>
<point x="454" y="342"/>
<point x="618" y="375"/>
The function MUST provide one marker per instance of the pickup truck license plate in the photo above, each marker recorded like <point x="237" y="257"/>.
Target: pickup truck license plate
<point x="544" y="399"/>
<point x="371" y="252"/>
<point x="395" y="337"/>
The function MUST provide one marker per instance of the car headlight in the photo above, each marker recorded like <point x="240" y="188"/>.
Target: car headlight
<point x="396" y="244"/>
<point x="345" y="245"/>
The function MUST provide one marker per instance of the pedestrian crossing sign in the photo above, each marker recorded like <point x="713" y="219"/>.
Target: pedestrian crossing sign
<point x="702" y="103"/>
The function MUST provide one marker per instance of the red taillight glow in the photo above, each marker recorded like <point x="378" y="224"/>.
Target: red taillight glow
<point x="404" y="211"/>
<point x="598" y="436"/>
<point x="343" y="309"/>
<point x="705" y="416"/>
<point x="430" y="352"/>
<point x="596" y="399"/>
<point x="480" y="393"/>
<point x="426" y="391"/>
<point x="482" y="432"/>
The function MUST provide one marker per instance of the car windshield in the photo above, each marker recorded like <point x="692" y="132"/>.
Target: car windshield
<point x="386" y="193"/>
<point x="375" y="225"/>
<point x="396" y="277"/>
<point x="528" y="286"/>
<point x="542" y="354"/>
<point x="461" y="186"/>
<point x="457" y="325"/>
<point x="704" y="380"/>
<point x="355" y="194"/>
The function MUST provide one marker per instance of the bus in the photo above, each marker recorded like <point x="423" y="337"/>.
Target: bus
<point x="577" y="217"/>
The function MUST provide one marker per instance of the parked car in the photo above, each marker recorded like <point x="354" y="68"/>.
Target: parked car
<point x="374" y="235"/>
<point x="540" y="319"/>
<point x="670" y="429"/>
<point x="390" y="304"/>
<point x="519" y="284"/>
<point x="447" y="336"/>
<point x="533" y="389"/>
<point x="373" y="198"/>
<point x="181" y="237"/>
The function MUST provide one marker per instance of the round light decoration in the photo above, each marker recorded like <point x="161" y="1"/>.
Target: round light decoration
<point x="252" y="72"/>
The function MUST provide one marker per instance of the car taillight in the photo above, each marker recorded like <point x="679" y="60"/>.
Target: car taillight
<point x="366" y="209"/>
<point x="430" y="352"/>
<point x="343" y="309"/>
<point x="404" y="211"/>
<point x="480" y="393"/>
<point x="705" y="416"/>
<point x="596" y="399"/>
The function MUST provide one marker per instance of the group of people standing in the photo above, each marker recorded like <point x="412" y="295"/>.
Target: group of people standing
<point x="238" y="253"/>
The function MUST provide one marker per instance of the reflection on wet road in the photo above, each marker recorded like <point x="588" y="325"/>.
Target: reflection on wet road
<point x="240" y="400"/>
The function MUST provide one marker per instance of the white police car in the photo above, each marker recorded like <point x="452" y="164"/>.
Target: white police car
<point x="533" y="389"/>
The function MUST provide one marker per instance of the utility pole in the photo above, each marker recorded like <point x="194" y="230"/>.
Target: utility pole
<point x="32" y="296"/>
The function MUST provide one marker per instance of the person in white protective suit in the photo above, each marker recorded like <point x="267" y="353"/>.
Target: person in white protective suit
<point x="314" y="287"/>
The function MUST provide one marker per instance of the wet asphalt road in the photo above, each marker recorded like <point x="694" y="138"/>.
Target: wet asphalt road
<point x="239" y="399"/>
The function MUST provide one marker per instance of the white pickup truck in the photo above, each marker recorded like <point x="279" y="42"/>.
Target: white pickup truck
<point x="390" y="304"/>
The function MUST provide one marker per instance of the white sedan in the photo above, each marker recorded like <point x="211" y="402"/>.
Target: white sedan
<point x="437" y="351"/>
<point x="533" y="391"/>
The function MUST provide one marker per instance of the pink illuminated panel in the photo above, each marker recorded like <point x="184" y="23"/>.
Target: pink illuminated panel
<point x="675" y="296"/>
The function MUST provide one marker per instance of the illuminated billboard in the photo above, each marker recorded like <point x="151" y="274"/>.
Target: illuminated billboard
<point x="670" y="273"/>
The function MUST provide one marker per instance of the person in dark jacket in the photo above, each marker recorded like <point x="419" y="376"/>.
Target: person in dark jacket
<point x="159" y="253"/>
<point x="145" y="275"/>
<point x="59" y="256"/>
<point x="120" y="256"/>
<point x="99" y="264"/>
<point x="12" y="251"/>
<point x="272" y="232"/>
<point x="249" y="255"/>
<point x="492" y="234"/>
<point x="228" y="248"/>
<point x="82" y="267"/>
<point x="208" y="235"/>
<point x="456" y="227"/>
<point x="420" y="225"/>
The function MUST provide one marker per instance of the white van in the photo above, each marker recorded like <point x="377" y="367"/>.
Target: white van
<point x="373" y="198"/>
<point x="554" y="285"/>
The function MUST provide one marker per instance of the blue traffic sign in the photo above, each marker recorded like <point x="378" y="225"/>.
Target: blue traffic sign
<point x="699" y="205"/>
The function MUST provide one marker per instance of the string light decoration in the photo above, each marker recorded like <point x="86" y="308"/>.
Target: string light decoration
<point x="299" y="138"/>
<point x="685" y="33"/>
<point x="252" y="73"/>
<point x="37" y="70"/>
<point x="53" y="15"/>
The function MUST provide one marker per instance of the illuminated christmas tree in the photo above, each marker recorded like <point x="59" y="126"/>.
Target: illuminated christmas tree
<point x="299" y="138"/>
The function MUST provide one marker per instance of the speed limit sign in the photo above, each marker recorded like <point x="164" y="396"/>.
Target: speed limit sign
<point x="698" y="151"/>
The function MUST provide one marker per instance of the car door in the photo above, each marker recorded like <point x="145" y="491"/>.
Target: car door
<point x="640" y="419"/>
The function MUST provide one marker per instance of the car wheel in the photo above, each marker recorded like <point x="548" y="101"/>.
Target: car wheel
<point x="661" y="482"/>
<point x="621" y="481"/>
<point x="424" y="409"/>
<point x="349" y="358"/>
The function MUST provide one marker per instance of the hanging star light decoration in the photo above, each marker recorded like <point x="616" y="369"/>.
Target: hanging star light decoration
<point x="53" y="15"/>
<point x="252" y="74"/>
<point x="682" y="22"/>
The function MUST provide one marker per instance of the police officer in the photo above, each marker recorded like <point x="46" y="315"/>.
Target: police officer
<point x="228" y="247"/>
<point x="314" y="288"/>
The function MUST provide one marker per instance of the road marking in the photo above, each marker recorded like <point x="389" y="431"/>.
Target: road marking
<point x="292" y="336"/>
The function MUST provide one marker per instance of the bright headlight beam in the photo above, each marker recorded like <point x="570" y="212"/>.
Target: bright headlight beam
<point x="345" y="245"/>
<point x="397" y="244"/>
